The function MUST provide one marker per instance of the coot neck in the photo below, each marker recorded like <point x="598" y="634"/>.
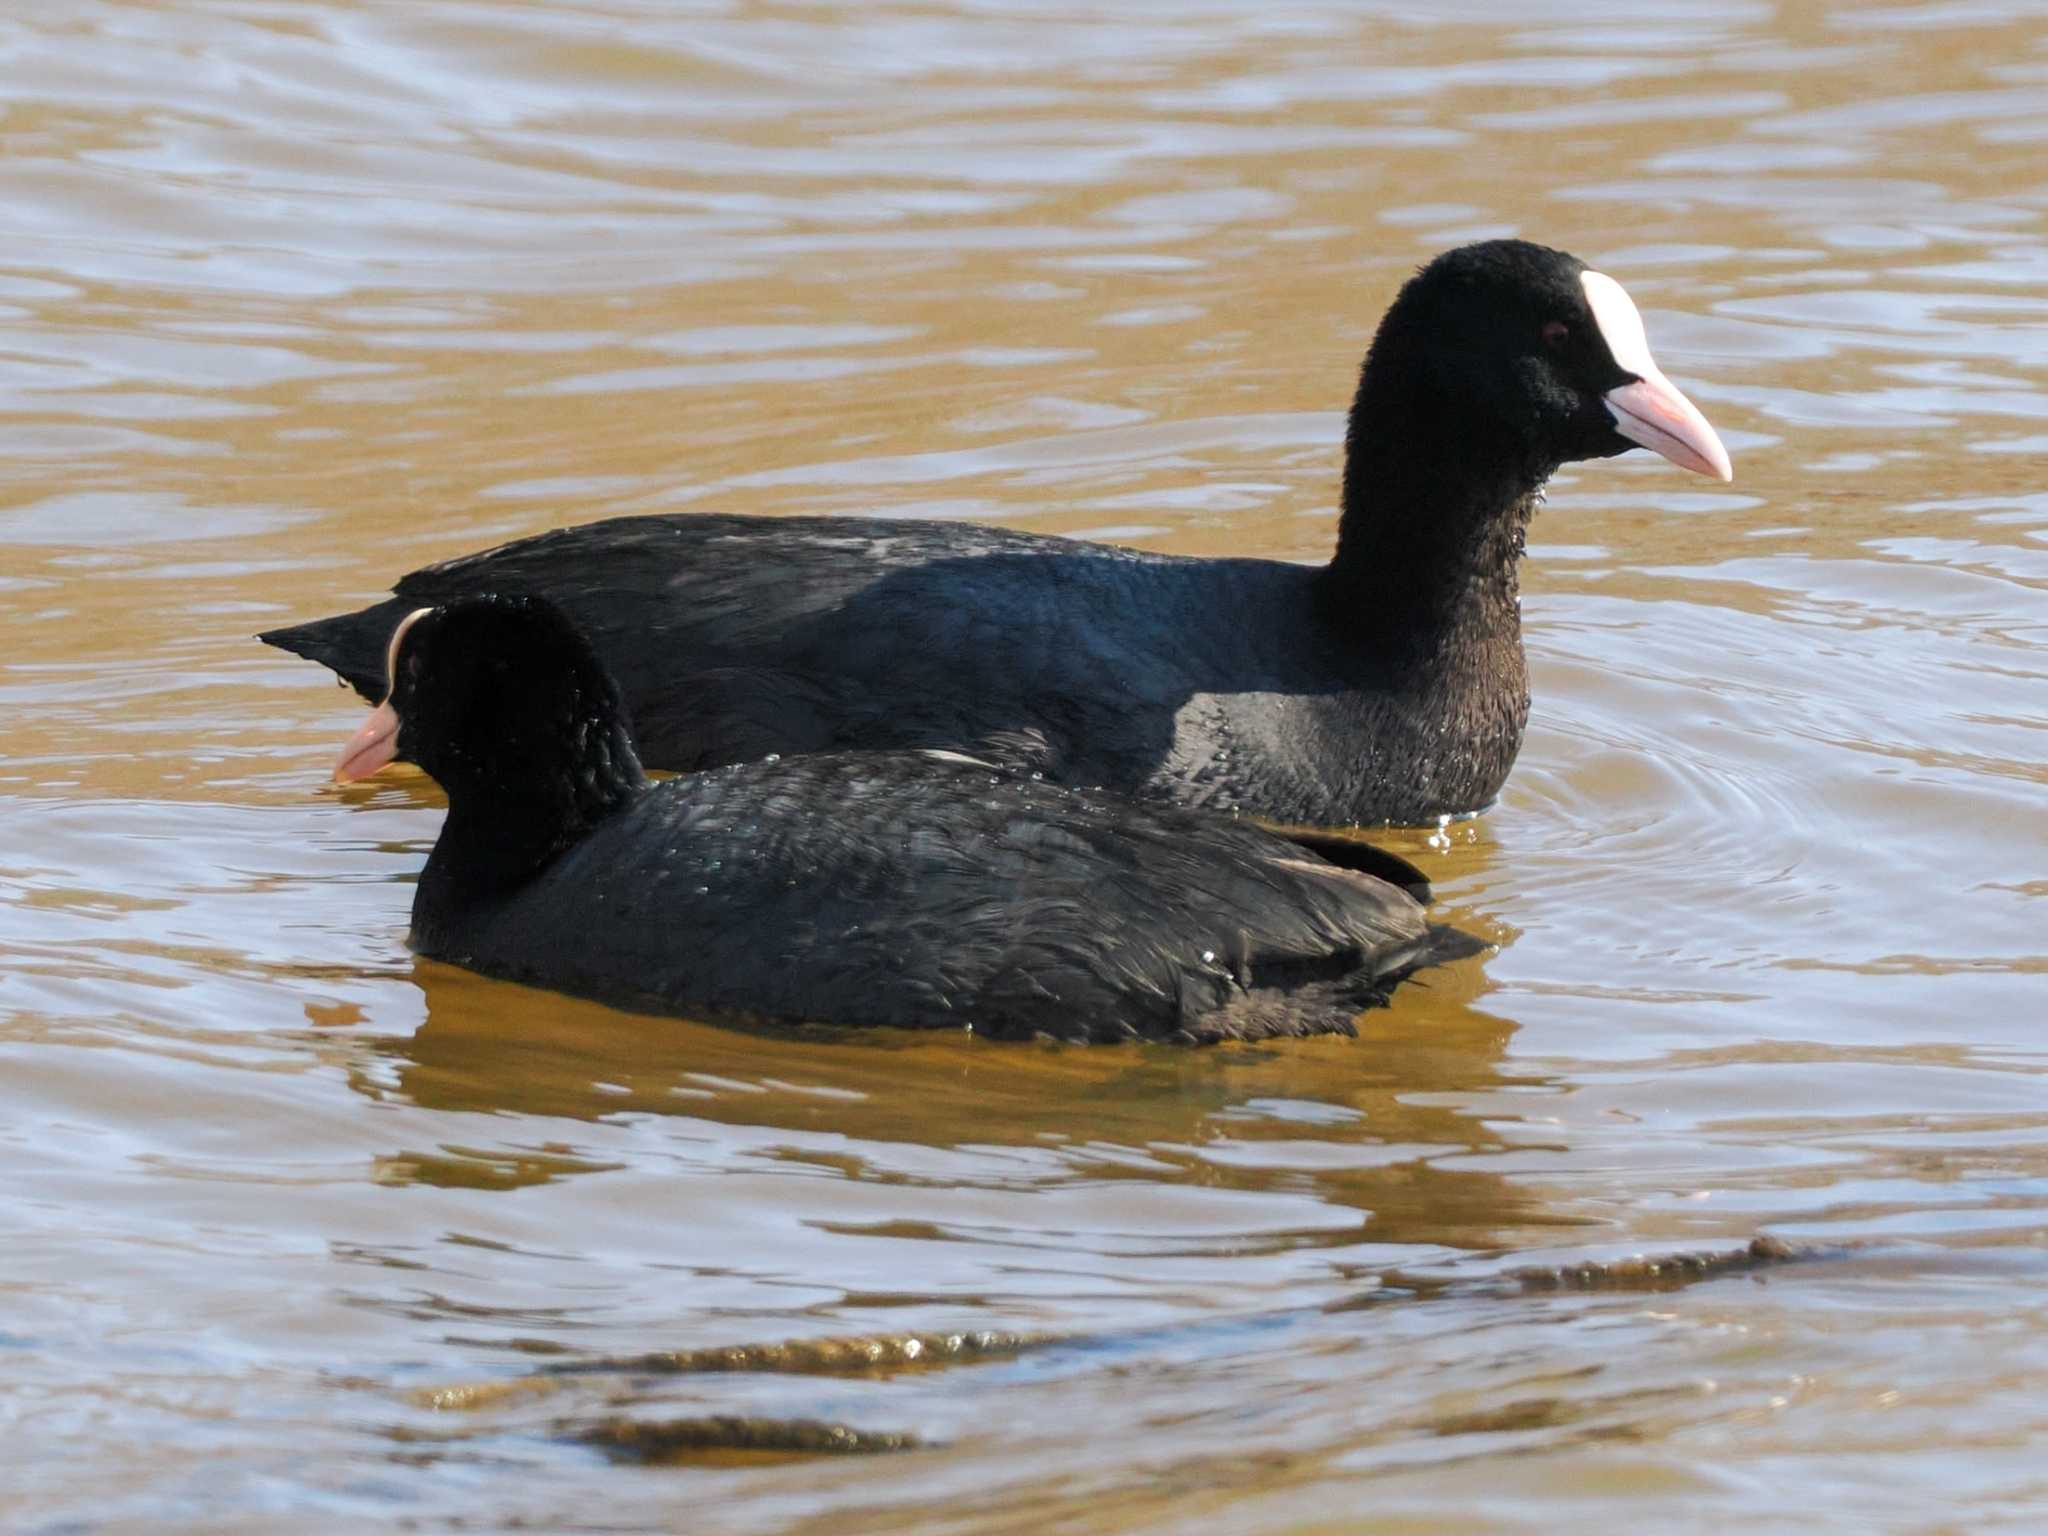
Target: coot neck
<point x="1436" y="509"/>
<point x="527" y="807"/>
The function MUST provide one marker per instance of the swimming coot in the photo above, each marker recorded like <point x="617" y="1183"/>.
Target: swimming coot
<point x="1387" y="686"/>
<point x="909" y="888"/>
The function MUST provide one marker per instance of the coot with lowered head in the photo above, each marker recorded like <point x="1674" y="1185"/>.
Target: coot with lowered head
<point x="918" y="889"/>
<point x="1386" y="686"/>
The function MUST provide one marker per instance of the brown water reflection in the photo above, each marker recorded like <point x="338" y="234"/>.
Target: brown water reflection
<point x="297" y="296"/>
<point x="1366" y="1129"/>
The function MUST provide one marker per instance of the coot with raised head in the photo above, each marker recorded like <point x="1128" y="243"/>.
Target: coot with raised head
<point x="1387" y="686"/>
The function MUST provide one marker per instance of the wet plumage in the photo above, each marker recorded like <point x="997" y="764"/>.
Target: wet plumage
<point x="1387" y="686"/>
<point x="904" y="888"/>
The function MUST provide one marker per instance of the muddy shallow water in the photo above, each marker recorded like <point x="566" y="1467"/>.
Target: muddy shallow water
<point x="298" y="295"/>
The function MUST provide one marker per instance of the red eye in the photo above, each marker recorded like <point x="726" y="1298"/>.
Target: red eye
<point x="1555" y="334"/>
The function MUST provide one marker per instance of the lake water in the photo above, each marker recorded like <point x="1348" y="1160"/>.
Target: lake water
<point x="298" y="294"/>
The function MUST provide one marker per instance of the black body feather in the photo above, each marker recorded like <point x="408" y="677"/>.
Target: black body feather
<point x="1388" y="686"/>
<point x="907" y="888"/>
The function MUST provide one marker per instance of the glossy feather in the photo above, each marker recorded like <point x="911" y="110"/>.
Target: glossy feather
<point x="915" y="889"/>
<point x="1387" y="686"/>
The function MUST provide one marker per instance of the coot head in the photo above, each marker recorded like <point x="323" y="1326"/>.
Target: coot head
<point x="502" y="701"/>
<point x="1512" y="347"/>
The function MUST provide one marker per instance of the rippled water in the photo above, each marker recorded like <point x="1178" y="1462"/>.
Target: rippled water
<point x="298" y="295"/>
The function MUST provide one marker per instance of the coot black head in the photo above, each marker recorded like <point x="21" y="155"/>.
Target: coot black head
<point x="1525" y="354"/>
<point x="1496" y="363"/>
<point x="502" y="700"/>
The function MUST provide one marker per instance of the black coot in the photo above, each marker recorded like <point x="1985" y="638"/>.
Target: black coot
<point x="1387" y="686"/>
<point x="906" y="888"/>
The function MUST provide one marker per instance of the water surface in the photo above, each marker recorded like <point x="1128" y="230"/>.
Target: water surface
<point x="297" y="296"/>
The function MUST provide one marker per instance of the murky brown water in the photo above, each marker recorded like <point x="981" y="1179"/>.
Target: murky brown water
<point x="300" y="293"/>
